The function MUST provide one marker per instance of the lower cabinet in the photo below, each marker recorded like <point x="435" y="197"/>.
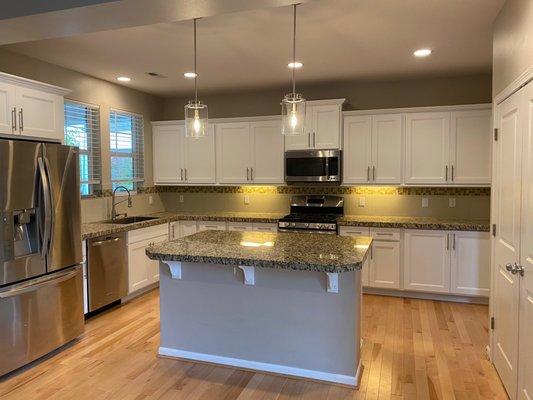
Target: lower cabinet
<point x="470" y="263"/>
<point x="180" y="229"/>
<point x="384" y="269"/>
<point x="356" y="231"/>
<point x="211" y="226"/>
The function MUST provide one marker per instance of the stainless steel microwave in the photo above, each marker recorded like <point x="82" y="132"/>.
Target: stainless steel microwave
<point x="313" y="166"/>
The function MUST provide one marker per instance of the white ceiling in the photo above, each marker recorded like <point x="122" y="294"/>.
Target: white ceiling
<point x="337" y="40"/>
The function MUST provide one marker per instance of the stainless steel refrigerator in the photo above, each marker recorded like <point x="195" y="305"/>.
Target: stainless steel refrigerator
<point x="41" y="294"/>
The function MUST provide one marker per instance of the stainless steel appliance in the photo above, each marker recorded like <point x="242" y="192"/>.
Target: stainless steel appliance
<point x="41" y="295"/>
<point x="313" y="166"/>
<point x="314" y="214"/>
<point x="107" y="270"/>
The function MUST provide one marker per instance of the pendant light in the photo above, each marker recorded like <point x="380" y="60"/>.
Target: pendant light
<point x="195" y="110"/>
<point x="293" y="105"/>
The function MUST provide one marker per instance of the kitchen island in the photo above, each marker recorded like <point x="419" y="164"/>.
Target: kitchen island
<point x="287" y="303"/>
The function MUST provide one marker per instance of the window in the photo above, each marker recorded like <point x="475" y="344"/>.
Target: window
<point x="127" y="145"/>
<point x="82" y="129"/>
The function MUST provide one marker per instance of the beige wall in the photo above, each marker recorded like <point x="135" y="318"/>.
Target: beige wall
<point x="513" y="42"/>
<point x="470" y="89"/>
<point x="95" y="91"/>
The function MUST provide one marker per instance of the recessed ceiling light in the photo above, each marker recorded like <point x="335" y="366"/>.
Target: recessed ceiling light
<point x="422" y="52"/>
<point x="123" y="79"/>
<point x="296" y="65"/>
<point x="189" y="75"/>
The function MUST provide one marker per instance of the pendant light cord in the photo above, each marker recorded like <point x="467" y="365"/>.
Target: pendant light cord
<point x="294" y="49"/>
<point x="195" y="73"/>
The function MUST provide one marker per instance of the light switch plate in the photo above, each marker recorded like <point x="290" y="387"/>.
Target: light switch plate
<point x="181" y="198"/>
<point x="362" y="202"/>
<point x="150" y="200"/>
<point x="246" y="199"/>
<point x="425" y="202"/>
<point x="451" y="202"/>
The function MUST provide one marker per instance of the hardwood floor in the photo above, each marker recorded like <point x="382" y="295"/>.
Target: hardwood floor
<point x="413" y="349"/>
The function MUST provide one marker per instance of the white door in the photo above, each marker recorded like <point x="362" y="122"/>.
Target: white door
<point x="470" y="263"/>
<point x="233" y="152"/>
<point x="138" y="266"/>
<point x="387" y="149"/>
<point x="525" y="366"/>
<point x="506" y="245"/>
<point x="356" y="231"/>
<point x="267" y="152"/>
<point x="357" y="156"/>
<point x="188" y="228"/>
<point x="427" y="261"/>
<point x="470" y="147"/>
<point x="199" y="158"/>
<point x="326" y="126"/>
<point x="168" y="154"/>
<point x="40" y="114"/>
<point x="385" y="265"/>
<point x="8" y="115"/>
<point x="427" y="147"/>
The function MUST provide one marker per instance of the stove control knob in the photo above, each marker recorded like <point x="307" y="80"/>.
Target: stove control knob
<point x="306" y="225"/>
<point x="292" y="224"/>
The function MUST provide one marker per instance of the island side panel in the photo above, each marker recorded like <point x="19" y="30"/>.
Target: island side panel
<point x="286" y="319"/>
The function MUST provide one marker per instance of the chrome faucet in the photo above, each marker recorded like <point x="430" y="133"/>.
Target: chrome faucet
<point x="114" y="214"/>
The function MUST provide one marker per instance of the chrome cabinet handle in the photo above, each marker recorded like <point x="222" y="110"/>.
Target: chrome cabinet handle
<point x="181" y="174"/>
<point x="14" y="119"/>
<point x="452" y="173"/>
<point x="251" y="174"/>
<point x="247" y="173"/>
<point x="453" y="245"/>
<point x="309" y="139"/>
<point x="314" y="139"/>
<point x="447" y="242"/>
<point x="368" y="173"/>
<point x="185" y="174"/>
<point x="374" y="173"/>
<point x="446" y="174"/>
<point x="21" y="120"/>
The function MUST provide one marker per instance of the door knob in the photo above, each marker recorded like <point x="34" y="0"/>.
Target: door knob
<point x="515" y="269"/>
<point x="509" y="267"/>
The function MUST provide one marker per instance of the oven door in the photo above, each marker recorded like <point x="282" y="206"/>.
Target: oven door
<point x="313" y="166"/>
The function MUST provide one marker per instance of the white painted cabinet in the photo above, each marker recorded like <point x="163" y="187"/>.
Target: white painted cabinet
<point x="357" y="231"/>
<point x="233" y="152"/>
<point x="384" y="268"/>
<point x="8" y="115"/>
<point x="187" y="228"/>
<point x="264" y="227"/>
<point x="199" y="159"/>
<point x="267" y="152"/>
<point x="470" y="147"/>
<point x="174" y="230"/>
<point x="427" y="148"/>
<point x="240" y="226"/>
<point x="211" y="226"/>
<point x="322" y="127"/>
<point x="373" y="149"/>
<point x="470" y="263"/>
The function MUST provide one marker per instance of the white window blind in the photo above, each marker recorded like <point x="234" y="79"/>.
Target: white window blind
<point x="82" y="129"/>
<point x="127" y="149"/>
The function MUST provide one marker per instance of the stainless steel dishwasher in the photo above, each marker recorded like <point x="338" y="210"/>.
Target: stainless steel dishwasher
<point x="107" y="270"/>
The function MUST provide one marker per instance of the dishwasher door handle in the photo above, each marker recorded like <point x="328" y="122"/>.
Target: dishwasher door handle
<point x="102" y="242"/>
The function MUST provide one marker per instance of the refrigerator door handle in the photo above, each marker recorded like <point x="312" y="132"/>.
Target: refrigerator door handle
<point x="33" y="287"/>
<point x="52" y="209"/>
<point x="47" y="208"/>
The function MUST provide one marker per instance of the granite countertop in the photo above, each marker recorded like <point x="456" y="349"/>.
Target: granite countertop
<point x="415" y="223"/>
<point x="293" y="251"/>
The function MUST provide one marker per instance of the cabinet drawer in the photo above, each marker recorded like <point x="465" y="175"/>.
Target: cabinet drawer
<point x="354" y="231"/>
<point x="385" y="234"/>
<point x="239" y="226"/>
<point x="211" y="225"/>
<point x="138" y="235"/>
<point x="265" y="227"/>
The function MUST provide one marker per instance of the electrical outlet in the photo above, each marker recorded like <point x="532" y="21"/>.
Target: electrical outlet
<point x="451" y="202"/>
<point x="425" y="202"/>
<point x="150" y="200"/>
<point x="362" y="202"/>
<point x="181" y="198"/>
<point x="246" y="199"/>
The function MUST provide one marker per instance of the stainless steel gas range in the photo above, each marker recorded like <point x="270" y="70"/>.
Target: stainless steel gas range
<point x="313" y="214"/>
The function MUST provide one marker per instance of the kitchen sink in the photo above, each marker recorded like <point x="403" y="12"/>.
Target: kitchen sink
<point x="129" y="220"/>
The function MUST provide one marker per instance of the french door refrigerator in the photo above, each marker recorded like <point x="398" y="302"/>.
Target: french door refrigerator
<point x="41" y="294"/>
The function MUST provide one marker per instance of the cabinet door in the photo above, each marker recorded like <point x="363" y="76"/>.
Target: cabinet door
<point x="326" y="126"/>
<point x="138" y="266"/>
<point x="470" y="147"/>
<point x="427" y="148"/>
<point x="357" y="157"/>
<point x="7" y="113"/>
<point x="233" y="152"/>
<point x="174" y="230"/>
<point x="167" y="154"/>
<point x="298" y="142"/>
<point x="188" y="228"/>
<point x="267" y="152"/>
<point x="240" y="226"/>
<point x="387" y="149"/>
<point x="356" y="231"/>
<point x="385" y="265"/>
<point x="470" y="263"/>
<point x="153" y="265"/>
<point x="40" y="114"/>
<point x="264" y="227"/>
<point x="426" y="261"/>
<point x="211" y="226"/>
<point x="199" y="158"/>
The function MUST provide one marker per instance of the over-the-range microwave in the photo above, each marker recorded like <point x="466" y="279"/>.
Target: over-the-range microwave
<point x="313" y="166"/>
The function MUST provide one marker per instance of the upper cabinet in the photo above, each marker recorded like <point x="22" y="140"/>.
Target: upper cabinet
<point x="448" y="147"/>
<point x="373" y="149"/>
<point x="322" y="126"/>
<point x="181" y="160"/>
<point x="31" y="108"/>
<point x="250" y="152"/>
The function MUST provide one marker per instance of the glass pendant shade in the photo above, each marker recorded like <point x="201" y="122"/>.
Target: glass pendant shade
<point x="195" y="119"/>
<point x="293" y="114"/>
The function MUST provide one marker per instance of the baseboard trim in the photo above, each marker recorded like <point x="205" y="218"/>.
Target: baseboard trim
<point x="426" y="296"/>
<point x="352" y="381"/>
<point x="140" y="292"/>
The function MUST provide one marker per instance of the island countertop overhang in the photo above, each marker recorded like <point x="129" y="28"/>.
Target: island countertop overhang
<point x="282" y="250"/>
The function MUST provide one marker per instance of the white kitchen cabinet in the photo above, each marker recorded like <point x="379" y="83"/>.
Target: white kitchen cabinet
<point x="187" y="228"/>
<point x="357" y="231"/>
<point x="322" y="126"/>
<point x="211" y="226"/>
<point x="199" y="159"/>
<point x="427" y="148"/>
<point x="470" y="263"/>
<point x="427" y="261"/>
<point x="470" y="147"/>
<point x="167" y="153"/>
<point x="240" y="226"/>
<point x="233" y="152"/>
<point x="264" y="227"/>
<point x="267" y="152"/>
<point x="373" y="149"/>
<point x="384" y="271"/>
<point x="8" y="117"/>
<point x="174" y="230"/>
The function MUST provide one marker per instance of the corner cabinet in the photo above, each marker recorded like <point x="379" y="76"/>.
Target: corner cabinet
<point x="30" y="108"/>
<point x="322" y="126"/>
